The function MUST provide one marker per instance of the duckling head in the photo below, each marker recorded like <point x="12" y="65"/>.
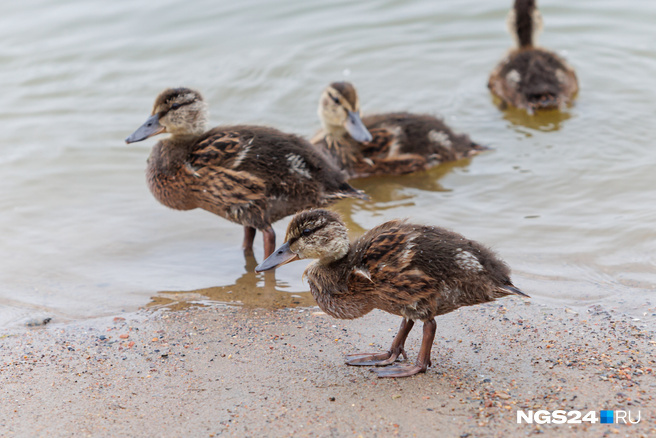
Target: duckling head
<point x="524" y="22"/>
<point x="178" y="111"/>
<point x="311" y="234"/>
<point x="339" y="111"/>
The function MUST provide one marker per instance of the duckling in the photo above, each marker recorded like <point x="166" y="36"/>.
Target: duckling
<point x="383" y="144"/>
<point x="530" y="77"/>
<point x="250" y="175"/>
<point x="413" y="271"/>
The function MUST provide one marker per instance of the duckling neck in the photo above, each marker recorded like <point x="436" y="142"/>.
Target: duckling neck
<point x="170" y="154"/>
<point x="336" y="131"/>
<point x="166" y="172"/>
<point x="329" y="286"/>
<point x="525" y="26"/>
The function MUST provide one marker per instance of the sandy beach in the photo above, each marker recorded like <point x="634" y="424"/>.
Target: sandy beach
<point x="229" y="371"/>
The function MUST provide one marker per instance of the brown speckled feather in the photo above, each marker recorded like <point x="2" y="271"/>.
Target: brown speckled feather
<point x="250" y="175"/>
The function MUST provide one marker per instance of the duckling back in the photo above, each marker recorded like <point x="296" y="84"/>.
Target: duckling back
<point x="534" y="79"/>
<point x="419" y="271"/>
<point x="404" y="142"/>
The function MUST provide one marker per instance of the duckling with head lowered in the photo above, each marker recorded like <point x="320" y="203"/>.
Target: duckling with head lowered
<point x="414" y="271"/>
<point x="384" y="144"/>
<point x="529" y="77"/>
<point x="250" y="175"/>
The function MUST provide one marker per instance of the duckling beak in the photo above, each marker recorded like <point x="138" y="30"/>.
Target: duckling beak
<point x="356" y="128"/>
<point x="148" y="129"/>
<point x="281" y="256"/>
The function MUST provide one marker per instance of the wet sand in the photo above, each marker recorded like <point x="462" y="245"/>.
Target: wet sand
<point x="226" y="371"/>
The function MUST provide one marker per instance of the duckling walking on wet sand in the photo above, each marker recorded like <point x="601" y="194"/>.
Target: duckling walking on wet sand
<point x="250" y="175"/>
<point x="384" y="144"/>
<point x="414" y="271"/>
<point x="532" y="78"/>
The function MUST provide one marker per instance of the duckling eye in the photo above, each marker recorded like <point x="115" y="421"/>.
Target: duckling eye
<point x="307" y="232"/>
<point x="336" y="100"/>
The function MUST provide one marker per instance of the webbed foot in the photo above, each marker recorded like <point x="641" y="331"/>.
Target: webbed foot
<point x="374" y="359"/>
<point x="400" y="371"/>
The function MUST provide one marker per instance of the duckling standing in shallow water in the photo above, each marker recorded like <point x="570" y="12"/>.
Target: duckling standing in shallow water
<point x="532" y="78"/>
<point x="384" y="144"/>
<point x="414" y="271"/>
<point x="250" y="175"/>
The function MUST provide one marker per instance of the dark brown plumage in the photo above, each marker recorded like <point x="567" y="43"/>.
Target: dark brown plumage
<point x="414" y="271"/>
<point x="527" y="21"/>
<point x="250" y="175"/>
<point x="531" y="78"/>
<point x="384" y="144"/>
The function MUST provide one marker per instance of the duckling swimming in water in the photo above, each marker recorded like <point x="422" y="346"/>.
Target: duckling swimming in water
<point x="529" y="77"/>
<point x="384" y="144"/>
<point x="414" y="271"/>
<point x="250" y="175"/>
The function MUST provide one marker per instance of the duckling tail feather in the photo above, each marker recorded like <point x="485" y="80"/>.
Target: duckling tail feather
<point x="477" y="148"/>
<point x="347" y="191"/>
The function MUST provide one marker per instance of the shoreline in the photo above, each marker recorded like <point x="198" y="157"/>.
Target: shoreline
<point x="227" y="371"/>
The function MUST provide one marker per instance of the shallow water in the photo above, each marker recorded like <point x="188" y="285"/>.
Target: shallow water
<point x="567" y="199"/>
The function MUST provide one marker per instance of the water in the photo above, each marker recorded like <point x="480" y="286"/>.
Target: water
<point x="566" y="199"/>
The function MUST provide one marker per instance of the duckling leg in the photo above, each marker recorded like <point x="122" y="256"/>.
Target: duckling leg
<point x="388" y="357"/>
<point x="249" y="237"/>
<point x="423" y="360"/>
<point x="269" y="241"/>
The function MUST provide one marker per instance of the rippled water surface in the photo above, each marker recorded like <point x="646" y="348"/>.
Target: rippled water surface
<point x="566" y="199"/>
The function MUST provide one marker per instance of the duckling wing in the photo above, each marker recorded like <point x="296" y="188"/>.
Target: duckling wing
<point x="215" y="161"/>
<point x="222" y="148"/>
<point x="383" y="139"/>
<point x="292" y="167"/>
<point x="247" y="165"/>
<point x="417" y="271"/>
<point x="384" y="257"/>
<point x="216" y="183"/>
<point x="398" y="135"/>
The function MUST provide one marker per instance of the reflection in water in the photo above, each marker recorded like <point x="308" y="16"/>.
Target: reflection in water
<point x="251" y="290"/>
<point x="394" y="191"/>
<point x="544" y="120"/>
<point x="391" y="188"/>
